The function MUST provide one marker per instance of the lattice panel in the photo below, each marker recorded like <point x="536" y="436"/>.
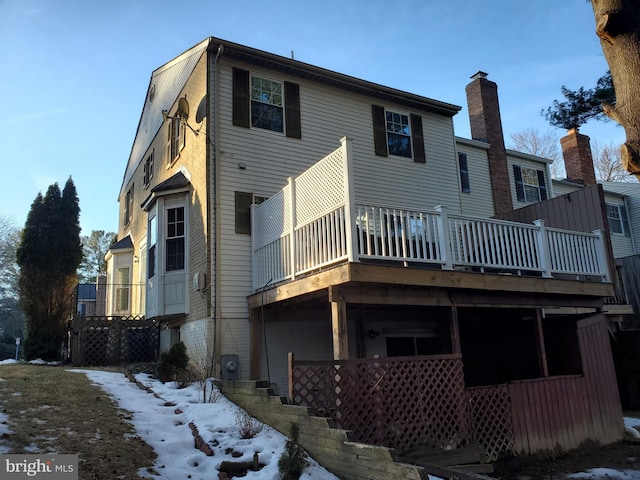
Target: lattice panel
<point x="320" y="188"/>
<point x="394" y="403"/>
<point x="490" y="422"/>
<point x="272" y="218"/>
<point x="114" y="340"/>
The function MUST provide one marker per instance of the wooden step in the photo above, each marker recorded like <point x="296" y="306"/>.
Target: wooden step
<point x="472" y="454"/>
<point x="474" y="467"/>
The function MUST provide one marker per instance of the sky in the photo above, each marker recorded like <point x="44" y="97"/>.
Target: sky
<point x="171" y="438"/>
<point x="75" y="73"/>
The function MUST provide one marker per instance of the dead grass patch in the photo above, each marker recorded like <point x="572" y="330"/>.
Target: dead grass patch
<point x="52" y="410"/>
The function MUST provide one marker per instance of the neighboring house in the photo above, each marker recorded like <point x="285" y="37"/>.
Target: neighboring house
<point x="270" y="206"/>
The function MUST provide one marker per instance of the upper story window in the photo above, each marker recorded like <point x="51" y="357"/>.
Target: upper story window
<point x="264" y="103"/>
<point x="128" y="207"/>
<point x="267" y="105"/>
<point x="618" y="220"/>
<point x="465" y="185"/>
<point x="176" y="139"/>
<point x="244" y="200"/>
<point x="148" y="170"/>
<point x="175" y="251"/>
<point x="530" y="184"/>
<point x="398" y="134"/>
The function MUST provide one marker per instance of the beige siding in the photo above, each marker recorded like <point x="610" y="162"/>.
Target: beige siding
<point x="632" y="192"/>
<point x="479" y="201"/>
<point x="327" y="115"/>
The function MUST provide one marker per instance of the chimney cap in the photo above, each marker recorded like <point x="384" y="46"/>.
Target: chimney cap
<point x="479" y="74"/>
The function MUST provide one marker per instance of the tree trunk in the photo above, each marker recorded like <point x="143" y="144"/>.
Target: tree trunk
<point x="618" y="26"/>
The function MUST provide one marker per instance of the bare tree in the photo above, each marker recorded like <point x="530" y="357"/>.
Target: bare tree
<point x="607" y="163"/>
<point x="618" y="26"/>
<point x="9" y="240"/>
<point x="540" y="144"/>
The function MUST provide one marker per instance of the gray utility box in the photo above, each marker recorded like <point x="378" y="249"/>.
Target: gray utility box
<point x="229" y="367"/>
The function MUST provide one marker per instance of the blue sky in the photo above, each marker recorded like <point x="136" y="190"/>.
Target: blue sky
<point x="75" y="73"/>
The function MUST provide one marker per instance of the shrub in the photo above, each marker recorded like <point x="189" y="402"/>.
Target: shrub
<point x="248" y="427"/>
<point x="294" y="459"/>
<point x="173" y="363"/>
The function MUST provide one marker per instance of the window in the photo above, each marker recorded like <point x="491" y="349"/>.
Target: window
<point x="263" y="103"/>
<point x="244" y="200"/>
<point x="151" y="249"/>
<point x="175" y="239"/>
<point x="618" y="220"/>
<point x="148" y="170"/>
<point x="411" y="346"/>
<point x="464" y="172"/>
<point x="398" y="134"/>
<point x="176" y="140"/>
<point x="128" y="207"/>
<point x="122" y="290"/>
<point x="267" y="106"/>
<point x="530" y="184"/>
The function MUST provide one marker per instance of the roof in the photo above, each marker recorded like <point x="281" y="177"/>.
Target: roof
<point x="167" y="82"/>
<point x="174" y="182"/>
<point x="123" y="244"/>
<point x="164" y="87"/>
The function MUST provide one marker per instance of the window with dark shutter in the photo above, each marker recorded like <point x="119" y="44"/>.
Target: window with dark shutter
<point x="517" y="174"/>
<point x="464" y="172"/>
<point x="243" y="212"/>
<point x="379" y="130"/>
<point x="292" y="110"/>
<point x="417" y="138"/>
<point x="241" y="98"/>
<point x="542" y="185"/>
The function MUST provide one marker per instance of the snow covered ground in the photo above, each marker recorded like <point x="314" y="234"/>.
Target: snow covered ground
<point x="168" y="432"/>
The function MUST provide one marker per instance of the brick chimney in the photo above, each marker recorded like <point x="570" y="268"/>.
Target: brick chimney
<point x="578" y="161"/>
<point x="486" y="126"/>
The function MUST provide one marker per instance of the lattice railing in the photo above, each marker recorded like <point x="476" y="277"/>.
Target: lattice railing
<point x="114" y="340"/>
<point x="490" y="421"/>
<point x="394" y="402"/>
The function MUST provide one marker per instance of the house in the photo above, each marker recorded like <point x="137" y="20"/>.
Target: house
<point x="334" y="236"/>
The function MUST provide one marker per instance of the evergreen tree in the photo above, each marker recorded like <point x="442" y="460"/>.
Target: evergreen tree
<point x="48" y="256"/>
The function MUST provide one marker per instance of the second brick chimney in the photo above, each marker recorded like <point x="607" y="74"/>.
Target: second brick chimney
<point x="486" y="126"/>
<point x="578" y="161"/>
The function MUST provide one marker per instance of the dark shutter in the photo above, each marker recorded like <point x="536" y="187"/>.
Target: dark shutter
<point x="517" y="173"/>
<point x="292" y="109"/>
<point x="241" y="98"/>
<point x="625" y="220"/>
<point x="243" y="212"/>
<point x="417" y="138"/>
<point x="379" y="131"/>
<point x="542" y="184"/>
<point x="464" y="172"/>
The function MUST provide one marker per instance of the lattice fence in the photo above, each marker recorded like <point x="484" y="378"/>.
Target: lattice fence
<point x="114" y="340"/>
<point x="394" y="402"/>
<point x="490" y="422"/>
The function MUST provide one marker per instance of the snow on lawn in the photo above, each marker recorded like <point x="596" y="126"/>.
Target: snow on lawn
<point x="600" y="473"/>
<point x="168" y="432"/>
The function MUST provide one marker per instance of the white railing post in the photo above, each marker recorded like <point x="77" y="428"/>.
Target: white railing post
<point x="292" y="229"/>
<point x="254" y="260"/>
<point x="603" y="263"/>
<point x="349" y="201"/>
<point x="544" y="253"/>
<point x="443" y="237"/>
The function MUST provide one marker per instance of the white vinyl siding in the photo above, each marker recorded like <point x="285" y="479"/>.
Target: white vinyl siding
<point x="327" y="115"/>
<point x="479" y="201"/>
<point x="632" y="192"/>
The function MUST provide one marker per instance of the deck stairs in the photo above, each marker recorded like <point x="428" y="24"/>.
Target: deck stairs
<point x="456" y="461"/>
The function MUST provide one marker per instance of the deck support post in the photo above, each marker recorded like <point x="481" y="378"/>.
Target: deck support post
<point x="339" y="325"/>
<point x="256" y="342"/>
<point x="542" y="355"/>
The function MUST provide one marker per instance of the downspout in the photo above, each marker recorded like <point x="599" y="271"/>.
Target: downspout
<point x="216" y="209"/>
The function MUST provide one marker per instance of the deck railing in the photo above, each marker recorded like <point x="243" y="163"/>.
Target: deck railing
<point x="314" y="221"/>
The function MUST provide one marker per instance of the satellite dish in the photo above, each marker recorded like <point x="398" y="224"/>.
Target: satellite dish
<point x="201" y="112"/>
<point x="183" y="108"/>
